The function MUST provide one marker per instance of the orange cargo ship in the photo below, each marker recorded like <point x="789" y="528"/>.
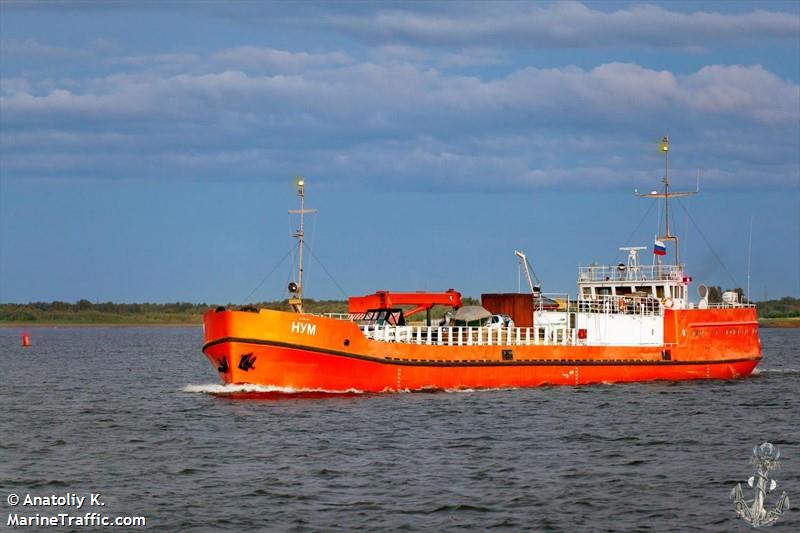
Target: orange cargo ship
<point x="628" y="322"/>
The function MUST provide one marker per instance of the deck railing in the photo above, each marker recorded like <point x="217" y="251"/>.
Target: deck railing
<point x="627" y="305"/>
<point x="471" y="336"/>
<point x="640" y="273"/>
<point x="337" y="316"/>
<point x="721" y="305"/>
<point x="607" y="304"/>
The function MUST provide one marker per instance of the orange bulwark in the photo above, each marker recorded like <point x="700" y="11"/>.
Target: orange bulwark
<point x="309" y="352"/>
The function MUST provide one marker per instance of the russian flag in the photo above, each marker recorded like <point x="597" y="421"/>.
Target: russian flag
<point x="659" y="248"/>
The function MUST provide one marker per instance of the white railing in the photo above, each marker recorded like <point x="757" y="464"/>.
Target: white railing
<point x="721" y="305"/>
<point x="627" y="305"/>
<point x="608" y="304"/>
<point x="471" y="336"/>
<point x="640" y="273"/>
<point x="551" y="301"/>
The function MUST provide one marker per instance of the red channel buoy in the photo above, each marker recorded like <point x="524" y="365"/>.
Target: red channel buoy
<point x="26" y="340"/>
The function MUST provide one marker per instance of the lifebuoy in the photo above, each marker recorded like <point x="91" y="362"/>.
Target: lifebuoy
<point x="667" y="302"/>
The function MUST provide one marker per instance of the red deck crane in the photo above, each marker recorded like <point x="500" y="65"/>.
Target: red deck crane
<point x="423" y="301"/>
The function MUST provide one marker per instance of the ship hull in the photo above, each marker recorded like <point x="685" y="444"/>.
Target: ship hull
<point x="304" y="352"/>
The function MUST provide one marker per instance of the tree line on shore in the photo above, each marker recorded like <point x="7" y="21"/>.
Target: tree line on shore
<point x="84" y="311"/>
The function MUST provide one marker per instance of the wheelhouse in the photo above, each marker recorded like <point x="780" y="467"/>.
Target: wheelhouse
<point x="665" y="283"/>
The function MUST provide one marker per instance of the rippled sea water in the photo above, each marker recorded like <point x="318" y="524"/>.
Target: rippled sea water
<point x="127" y="412"/>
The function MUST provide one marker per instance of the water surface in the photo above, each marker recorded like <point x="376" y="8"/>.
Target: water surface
<point x="126" y="412"/>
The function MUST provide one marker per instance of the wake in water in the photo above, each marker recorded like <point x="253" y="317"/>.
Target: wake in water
<point x="761" y="371"/>
<point x="245" y="390"/>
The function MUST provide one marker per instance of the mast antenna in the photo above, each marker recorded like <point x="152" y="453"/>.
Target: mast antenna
<point x="296" y="289"/>
<point x="666" y="195"/>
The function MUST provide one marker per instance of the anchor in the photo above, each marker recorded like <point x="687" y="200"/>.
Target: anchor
<point x="223" y="365"/>
<point x="247" y="361"/>
<point x="765" y="458"/>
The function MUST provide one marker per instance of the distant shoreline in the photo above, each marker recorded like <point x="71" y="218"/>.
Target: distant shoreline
<point x="791" y="322"/>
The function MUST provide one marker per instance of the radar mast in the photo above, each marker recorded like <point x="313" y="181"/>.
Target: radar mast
<point x="666" y="195"/>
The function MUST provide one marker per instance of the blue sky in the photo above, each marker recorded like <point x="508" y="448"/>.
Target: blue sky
<point x="148" y="149"/>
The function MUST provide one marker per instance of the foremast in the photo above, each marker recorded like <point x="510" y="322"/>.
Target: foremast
<point x="296" y="289"/>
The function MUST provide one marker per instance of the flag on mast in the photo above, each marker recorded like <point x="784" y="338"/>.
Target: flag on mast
<point x="659" y="248"/>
